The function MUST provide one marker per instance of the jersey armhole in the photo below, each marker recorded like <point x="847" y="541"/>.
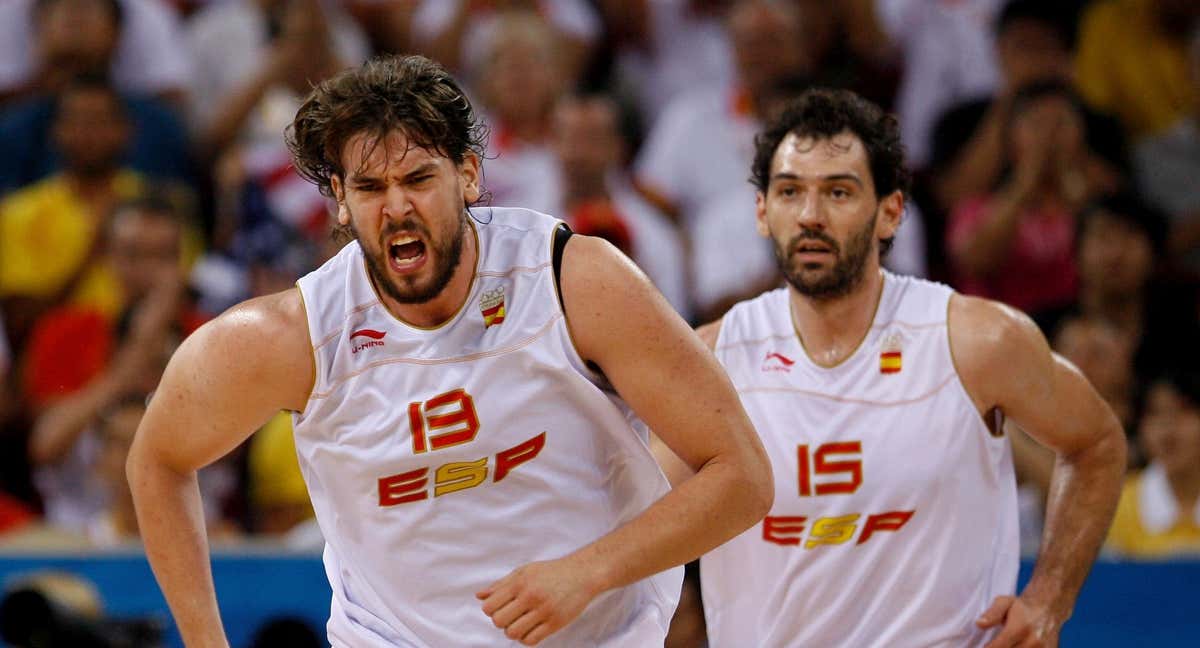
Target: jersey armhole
<point x="562" y="234"/>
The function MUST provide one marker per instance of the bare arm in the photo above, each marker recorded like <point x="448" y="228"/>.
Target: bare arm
<point x="225" y="381"/>
<point x="1005" y="362"/>
<point x="661" y="368"/>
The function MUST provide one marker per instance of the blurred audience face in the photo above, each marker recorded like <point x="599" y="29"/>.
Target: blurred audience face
<point x="1030" y="50"/>
<point x="768" y="43"/>
<point x="1170" y="429"/>
<point x="77" y="35"/>
<point x="143" y="247"/>
<point x="1105" y="357"/>
<point x="587" y="141"/>
<point x="90" y="129"/>
<point x="1115" y="256"/>
<point x="1050" y="120"/>
<point x="521" y="79"/>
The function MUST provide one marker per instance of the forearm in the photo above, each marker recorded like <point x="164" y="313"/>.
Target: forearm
<point x="1082" y="500"/>
<point x="706" y="510"/>
<point x="171" y="522"/>
<point x="59" y="427"/>
<point x="976" y="167"/>
<point x="989" y="245"/>
<point x="228" y="120"/>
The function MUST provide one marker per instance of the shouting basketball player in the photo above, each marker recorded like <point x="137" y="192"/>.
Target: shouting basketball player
<point x="463" y="383"/>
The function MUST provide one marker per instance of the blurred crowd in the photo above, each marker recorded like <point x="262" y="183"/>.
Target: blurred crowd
<point x="145" y="187"/>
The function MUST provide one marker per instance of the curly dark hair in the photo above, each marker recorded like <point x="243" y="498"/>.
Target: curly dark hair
<point x="822" y="113"/>
<point x="411" y="94"/>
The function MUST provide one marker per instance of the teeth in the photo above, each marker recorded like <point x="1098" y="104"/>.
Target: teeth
<point x="404" y="240"/>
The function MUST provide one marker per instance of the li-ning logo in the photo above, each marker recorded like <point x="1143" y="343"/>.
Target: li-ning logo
<point x="374" y="339"/>
<point x="777" y="362"/>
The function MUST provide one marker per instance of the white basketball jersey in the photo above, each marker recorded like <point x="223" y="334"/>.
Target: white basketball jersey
<point x="438" y="460"/>
<point x="895" y="515"/>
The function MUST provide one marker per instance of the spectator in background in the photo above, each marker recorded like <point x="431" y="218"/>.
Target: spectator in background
<point x="693" y="165"/>
<point x="1105" y="356"/>
<point x="45" y="43"/>
<point x="116" y="523"/>
<point x="1033" y="42"/>
<point x="519" y="81"/>
<point x="49" y="231"/>
<point x="256" y="59"/>
<point x="1132" y="61"/>
<point x="1017" y="243"/>
<point x="453" y="32"/>
<point x="1168" y="172"/>
<point x="1159" y="512"/>
<point x="80" y="364"/>
<point x="1119" y="247"/>
<point x="948" y="57"/>
<point x="665" y="48"/>
<point x="598" y="197"/>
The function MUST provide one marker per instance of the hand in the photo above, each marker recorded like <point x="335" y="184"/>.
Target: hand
<point x="1025" y="625"/>
<point x="538" y="599"/>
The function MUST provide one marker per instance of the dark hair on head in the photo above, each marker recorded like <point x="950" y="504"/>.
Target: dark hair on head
<point x="821" y="114"/>
<point x="114" y="9"/>
<point x="1184" y="381"/>
<point x="1130" y="210"/>
<point x="411" y="94"/>
<point x="1057" y="15"/>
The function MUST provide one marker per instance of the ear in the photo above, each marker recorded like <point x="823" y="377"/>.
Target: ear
<point x="891" y="210"/>
<point x="760" y="214"/>
<point x="469" y="174"/>
<point x="339" y="194"/>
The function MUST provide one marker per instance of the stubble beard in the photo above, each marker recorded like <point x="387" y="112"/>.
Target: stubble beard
<point x="445" y="255"/>
<point x="847" y="272"/>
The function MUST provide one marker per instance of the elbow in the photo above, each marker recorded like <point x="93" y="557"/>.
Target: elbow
<point x="760" y="485"/>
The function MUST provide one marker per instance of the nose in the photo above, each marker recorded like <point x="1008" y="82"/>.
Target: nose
<point x="811" y="212"/>
<point x="396" y="203"/>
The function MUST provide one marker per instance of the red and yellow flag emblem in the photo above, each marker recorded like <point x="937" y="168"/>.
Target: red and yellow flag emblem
<point x="891" y="355"/>
<point x="491" y="304"/>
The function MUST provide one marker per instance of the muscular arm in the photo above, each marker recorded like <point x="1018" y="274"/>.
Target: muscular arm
<point x="663" y="371"/>
<point x="1005" y="362"/>
<point x="225" y="381"/>
<point x="661" y="368"/>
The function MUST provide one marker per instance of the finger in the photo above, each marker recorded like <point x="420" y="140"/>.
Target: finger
<point x="518" y="629"/>
<point x="996" y="613"/>
<point x="536" y="635"/>
<point x="509" y="612"/>
<point x="497" y="599"/>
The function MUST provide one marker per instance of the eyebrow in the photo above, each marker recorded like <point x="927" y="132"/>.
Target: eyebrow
<point x="836" y="177"/>
<point x="427" y="167"/>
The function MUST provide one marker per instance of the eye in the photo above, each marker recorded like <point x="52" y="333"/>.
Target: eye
<point x="840" y="193"/>
<point x="421" y="179"/>
<point x="367" y="187"/>
<point x="787" y="191"/>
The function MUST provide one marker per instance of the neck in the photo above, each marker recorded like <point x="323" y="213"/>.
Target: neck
<point x="90" y="183"/>
<point x="440" y="309"/>
<point x="581" y="190"/>
<point x="830" y="330"/>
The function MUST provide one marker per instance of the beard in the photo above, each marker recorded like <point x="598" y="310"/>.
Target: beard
<point x="444" y="255"/>
<point x="838" y="281"/>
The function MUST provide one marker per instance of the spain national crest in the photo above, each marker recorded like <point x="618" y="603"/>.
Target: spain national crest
<point x="891" y="354"/>
<point x="491" y="304"/>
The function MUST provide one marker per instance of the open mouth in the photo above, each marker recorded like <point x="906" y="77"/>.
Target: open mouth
<point x="406" y="252"/>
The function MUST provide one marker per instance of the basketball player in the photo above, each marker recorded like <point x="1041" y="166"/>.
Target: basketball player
<point x="879" y="399"/>
<point x="458" y="380"/>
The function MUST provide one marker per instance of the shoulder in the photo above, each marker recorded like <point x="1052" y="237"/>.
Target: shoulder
<point x="992" y="344"/>
<point x="262" y="339"/>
